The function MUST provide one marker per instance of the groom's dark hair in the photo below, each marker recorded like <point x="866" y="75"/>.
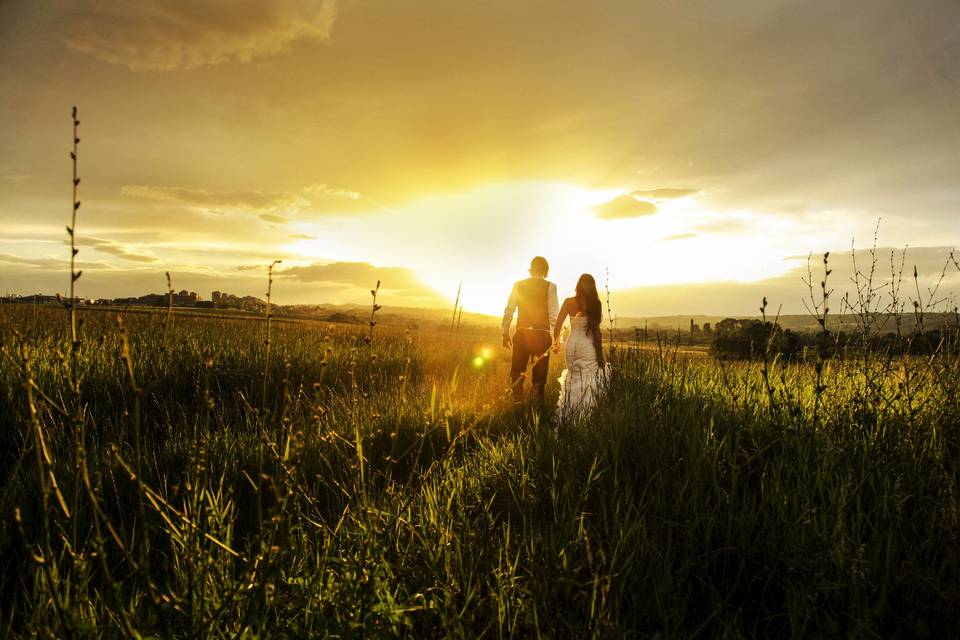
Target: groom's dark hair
<point x="539" y="267"/>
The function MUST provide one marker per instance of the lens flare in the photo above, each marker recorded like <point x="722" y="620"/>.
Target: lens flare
<point x="478" y="362"/>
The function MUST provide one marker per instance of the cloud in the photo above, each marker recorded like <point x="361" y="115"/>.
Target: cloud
<point x="11" y="176"/>
<point x="322" y="198"/>
<point x="664" y="193"/>
<point x="115" y="248"/>
<point x="730" y="225"/>
<point x="398" y="280"/>
<point x="213" y="200"/>
<point x="232" y="250"/>
<point x="637" y="204"/>
<point x="625" y="206"/>
<point x="189" y="34"/>
<point x="319" y="198"/>
<point x="679" y="236"/>
<point x="50" y="264"/>
<point x="302" y="236"/>
<point x="44" y="263"/>
<point x="320" y="191"/>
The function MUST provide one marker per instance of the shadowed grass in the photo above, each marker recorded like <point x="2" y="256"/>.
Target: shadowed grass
<point x="692" y="501"/>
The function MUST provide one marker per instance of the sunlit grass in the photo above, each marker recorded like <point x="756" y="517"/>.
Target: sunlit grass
<point x="386" y="489"/>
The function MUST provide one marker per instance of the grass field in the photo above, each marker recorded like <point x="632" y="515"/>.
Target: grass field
<point x="192" y="484"/>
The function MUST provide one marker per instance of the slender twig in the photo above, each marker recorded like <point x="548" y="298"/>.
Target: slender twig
<point x="456" y="303"/>
<point x="896" y="282"/>
<point x="168" y="321"/>
<point x="606" y="286"/>
<point x="917" y="303"/>
<point x="374" y="307"/>
<point x="819" y="310"/>
<point x="79" y="435"/>
<point x="266" y="359"/>
<point x="766" y="354"/>
<point x="74" y="274"/>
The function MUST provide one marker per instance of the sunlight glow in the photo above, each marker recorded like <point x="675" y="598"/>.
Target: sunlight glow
<point x="485" y="238"/>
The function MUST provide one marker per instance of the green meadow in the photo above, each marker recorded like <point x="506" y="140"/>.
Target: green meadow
<point x="171" y="478"/>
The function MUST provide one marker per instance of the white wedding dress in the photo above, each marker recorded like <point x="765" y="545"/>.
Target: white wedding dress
<point x="583" y="379"/>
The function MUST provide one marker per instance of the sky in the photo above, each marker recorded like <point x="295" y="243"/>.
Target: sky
<point x="689" y="154"/>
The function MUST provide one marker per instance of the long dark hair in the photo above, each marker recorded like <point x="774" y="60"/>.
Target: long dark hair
<point x="588" y="302"/>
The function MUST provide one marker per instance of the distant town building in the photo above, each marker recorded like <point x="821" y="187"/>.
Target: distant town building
<point x="185" y="298"/>
<point x="182" y="298"/>
<point x="224" y="300"/>
<point x="37" y="298"/>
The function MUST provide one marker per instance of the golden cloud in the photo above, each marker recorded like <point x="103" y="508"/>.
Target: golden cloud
<point x="625" y="206"/>
<point x="117" y="249"/>
<point x="319" y="198"/>
<point x="189" y="34"/>
<point x="664" y="193"/>
<point x="253" y="200"/>
<point x="397" y="280"/>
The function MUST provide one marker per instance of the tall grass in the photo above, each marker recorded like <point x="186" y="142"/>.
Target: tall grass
<point x="694" y="500"/>
<point x="198" y="480"/>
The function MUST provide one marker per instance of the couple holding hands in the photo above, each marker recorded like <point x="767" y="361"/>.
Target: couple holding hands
<point x="540" y="320"/>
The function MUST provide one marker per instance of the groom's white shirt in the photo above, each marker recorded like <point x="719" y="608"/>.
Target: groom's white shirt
<point x="553" y="306"/>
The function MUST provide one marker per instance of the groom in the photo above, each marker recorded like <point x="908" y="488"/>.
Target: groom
<point x="535" y="301"/>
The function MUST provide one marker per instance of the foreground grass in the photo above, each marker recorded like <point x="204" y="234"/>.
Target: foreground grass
<point x="387" y="490"/>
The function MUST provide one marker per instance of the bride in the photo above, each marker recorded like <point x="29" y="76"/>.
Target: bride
<point x="581" y="381"/>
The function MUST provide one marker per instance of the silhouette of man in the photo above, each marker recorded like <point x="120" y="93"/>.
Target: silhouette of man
<point x="535" y="302"/>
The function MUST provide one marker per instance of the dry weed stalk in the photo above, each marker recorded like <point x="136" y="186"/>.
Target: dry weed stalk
<point x="606" y="287"/>
<point x="768" y="364"/>
<point x="269" y="317"/>
<point x="168" y="320"/>
<point x="921" y="306"/>
<point x="74" y="273"/>
<point x="896" y="305"/>
<point x="374" y="307"/>
<point x="820" y="311"/>
<point x="456" y="303"/>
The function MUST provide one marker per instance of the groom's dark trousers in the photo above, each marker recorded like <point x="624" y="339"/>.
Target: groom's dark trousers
<point x="530" y="344"/>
